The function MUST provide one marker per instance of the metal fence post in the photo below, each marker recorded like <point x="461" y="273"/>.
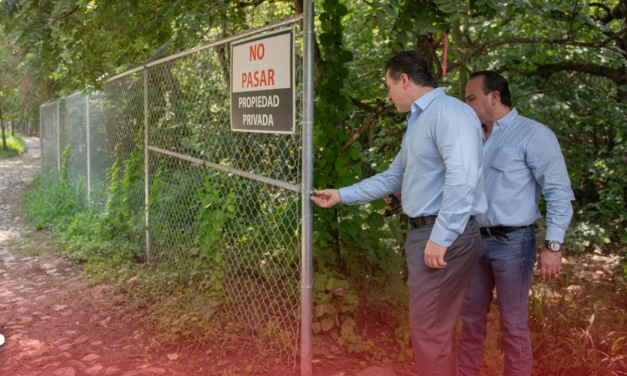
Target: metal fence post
<point x="146" y="164"/>
<point x="41" y="141"/>
<point x="88" y="139"/>
<point x="58" y="136"/>
<point x="307" y="222"/>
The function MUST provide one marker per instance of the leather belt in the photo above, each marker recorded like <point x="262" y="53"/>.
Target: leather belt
<point x="500" y="230"/>
<point x="427" y="220"/>
<point x="422" y="221"/>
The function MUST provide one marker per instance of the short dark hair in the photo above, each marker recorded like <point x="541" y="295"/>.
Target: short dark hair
<point x="493" y="81"/>
<point x="413" y="65"/>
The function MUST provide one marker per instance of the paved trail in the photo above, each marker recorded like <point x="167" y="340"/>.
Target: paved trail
<point x="52" y="322"/>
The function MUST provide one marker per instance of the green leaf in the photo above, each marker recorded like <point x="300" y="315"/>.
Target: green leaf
<point x="381" y="17"/>
<point x="389" y="10"/>
<point x="319" y="282"/>
<point x="354" y="153"/>
<point x="347" y="326"/>
<point x="316" y="327"/>
<point x="376" y="221"/>
<point x="357" y="169"/>
<point x="326" y="324"/>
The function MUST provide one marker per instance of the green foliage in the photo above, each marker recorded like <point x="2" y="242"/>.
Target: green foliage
<point x="15" y="146"/>
<point x="125" y="190"/>
<point x="214" y="211"/>
<point x="49" y="204"/>
<point x="335" y="309"/>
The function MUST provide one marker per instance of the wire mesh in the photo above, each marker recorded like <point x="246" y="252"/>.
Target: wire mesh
<point x="74" y="140"/>
<point x="116" y="133"/>
<point x="189" y="114"/>
<point x="49" y="153"/>
<point x="247" y="231"/>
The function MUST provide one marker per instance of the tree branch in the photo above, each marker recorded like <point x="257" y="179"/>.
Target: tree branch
<point x="619" y="11"/>
<point x="572" y="19"/>
<point x="605" y="7"/>
<point x="66" y="15"/>
<point x="256" y="3"/>
<point x="378" y="112"/>
<point x="577" y="66"/>
<point x="569" y="42"/>
<point x="362" y="105"/>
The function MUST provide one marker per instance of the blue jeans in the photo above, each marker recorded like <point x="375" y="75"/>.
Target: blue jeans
<point x="507" y="264"/>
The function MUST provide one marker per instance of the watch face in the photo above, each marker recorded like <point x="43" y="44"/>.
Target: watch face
<point x="555" y="246"/>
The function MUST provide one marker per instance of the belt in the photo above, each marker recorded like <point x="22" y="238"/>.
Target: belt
<point x="422" y="221"/>
<point x="427" y="220"/>
<point x="499" y="230"/>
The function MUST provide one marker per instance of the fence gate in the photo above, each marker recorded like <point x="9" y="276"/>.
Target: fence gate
<point x="201" y="196"/>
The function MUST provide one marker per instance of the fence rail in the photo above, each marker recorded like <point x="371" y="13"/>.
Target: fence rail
<point x="196" y="195"/>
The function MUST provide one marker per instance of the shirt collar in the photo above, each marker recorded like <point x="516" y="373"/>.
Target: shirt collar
<point x="423" y="102"/>
<point x="506" y="120"/>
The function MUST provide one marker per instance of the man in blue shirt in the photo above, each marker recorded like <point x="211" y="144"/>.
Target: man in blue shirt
<point x="522" y="159"/>
<point x="439" y="171"/>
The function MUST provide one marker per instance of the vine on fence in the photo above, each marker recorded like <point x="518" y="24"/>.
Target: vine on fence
<point x="214" y="211"/>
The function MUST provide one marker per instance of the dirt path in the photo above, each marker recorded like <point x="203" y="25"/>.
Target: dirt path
<point x="52" y="322"/>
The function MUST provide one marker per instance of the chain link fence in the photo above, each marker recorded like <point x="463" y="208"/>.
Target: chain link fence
<point x="197" y="194"/>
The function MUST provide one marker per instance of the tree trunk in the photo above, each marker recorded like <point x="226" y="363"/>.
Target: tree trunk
<point x="4" y="137"/>
<point x="463" y="71"/>
<point x="424" y="46"/>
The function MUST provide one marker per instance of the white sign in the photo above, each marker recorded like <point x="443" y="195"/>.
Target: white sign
<point x="262" y="83"/>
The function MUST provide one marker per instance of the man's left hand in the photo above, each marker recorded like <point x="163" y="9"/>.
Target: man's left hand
<point x="434" y="255"/>
<point x="549" y="264"/>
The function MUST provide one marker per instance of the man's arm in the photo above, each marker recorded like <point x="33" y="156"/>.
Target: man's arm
<point x="546" y="161"/>
<point x="457" y="134"/>
<point x="378" y="186"/>
<point x="370" y="189"/>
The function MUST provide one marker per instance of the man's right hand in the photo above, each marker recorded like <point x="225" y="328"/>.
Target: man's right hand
<point x="388" y="199"/>
<point x="326" y="197"/>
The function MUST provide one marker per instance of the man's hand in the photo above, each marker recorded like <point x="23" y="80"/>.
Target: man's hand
<point x="434" y="255"/>
<point x="388" y="199"/>
<point x="326" y="198"/>
<point x="549" y="264"/>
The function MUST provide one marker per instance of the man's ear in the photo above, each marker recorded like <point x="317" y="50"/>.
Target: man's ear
<point x="495" y="98"/>
<point x="404" y="80"/>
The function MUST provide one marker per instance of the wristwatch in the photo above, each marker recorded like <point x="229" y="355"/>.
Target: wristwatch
<point x="552" y="245"/>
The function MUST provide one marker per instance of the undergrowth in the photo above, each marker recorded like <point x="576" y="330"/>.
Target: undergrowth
<point x="15" y="146"/>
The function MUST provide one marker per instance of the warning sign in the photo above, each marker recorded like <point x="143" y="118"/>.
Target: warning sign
<point x="262" y="83"/>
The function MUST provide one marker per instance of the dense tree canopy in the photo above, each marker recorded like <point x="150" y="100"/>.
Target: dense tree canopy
<point x="566" y="61"/>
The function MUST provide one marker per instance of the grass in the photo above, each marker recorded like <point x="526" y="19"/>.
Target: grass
<point x="15" y="146"/>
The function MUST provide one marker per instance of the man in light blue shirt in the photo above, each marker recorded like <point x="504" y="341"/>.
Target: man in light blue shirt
<point x="522" y="159"/>
<point x="439" y="171"/>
